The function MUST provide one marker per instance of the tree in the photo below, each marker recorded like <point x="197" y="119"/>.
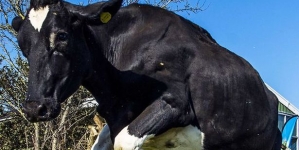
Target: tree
<point x="70" y="128"/>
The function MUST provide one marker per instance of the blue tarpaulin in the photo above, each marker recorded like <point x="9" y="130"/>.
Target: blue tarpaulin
<point x="288" y="130"/>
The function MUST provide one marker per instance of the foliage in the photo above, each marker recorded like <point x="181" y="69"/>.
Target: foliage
<point x="18" y="133"/>
<point x="15" y="131"/>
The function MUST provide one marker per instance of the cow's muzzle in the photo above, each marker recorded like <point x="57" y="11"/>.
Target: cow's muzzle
<point x="44" y="110"/>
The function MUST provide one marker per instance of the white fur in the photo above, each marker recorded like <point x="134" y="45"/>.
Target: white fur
<point x="202" y="138"/>
<point x="125" y="141"/>
<point x="52" y="40"/>
<point x="182" y="138"/>
<point x="37" y="17"/>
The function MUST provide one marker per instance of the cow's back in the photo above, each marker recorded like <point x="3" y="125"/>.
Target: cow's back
<point x="230" y="103"/>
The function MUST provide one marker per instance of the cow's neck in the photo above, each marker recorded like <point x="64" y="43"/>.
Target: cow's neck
<point x="102" y="72"/>
<point x="104" y="76"/>
<point x="104" y="80"/>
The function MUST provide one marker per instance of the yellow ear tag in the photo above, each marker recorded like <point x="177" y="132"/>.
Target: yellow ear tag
<point x="105" y="17"/>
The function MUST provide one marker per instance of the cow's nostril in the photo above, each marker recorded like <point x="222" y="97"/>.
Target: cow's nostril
<point x="42" y="110"/>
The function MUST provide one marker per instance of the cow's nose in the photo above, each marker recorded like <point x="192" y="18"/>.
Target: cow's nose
<point x="41" y="110"/>
<point x="38" y="111"/>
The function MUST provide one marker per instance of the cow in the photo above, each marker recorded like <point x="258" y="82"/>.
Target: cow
<point x="161" y="81"/>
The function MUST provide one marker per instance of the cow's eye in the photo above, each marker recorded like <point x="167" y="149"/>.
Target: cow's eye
<point x="62" y="36"/>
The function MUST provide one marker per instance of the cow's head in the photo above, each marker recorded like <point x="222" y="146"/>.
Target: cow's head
<point x="51" y="38"/>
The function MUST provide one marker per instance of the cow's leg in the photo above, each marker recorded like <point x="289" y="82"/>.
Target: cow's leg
<point x="103" y="141"/>
<point x="278" y="141"/>
<point x="155" y="119"/>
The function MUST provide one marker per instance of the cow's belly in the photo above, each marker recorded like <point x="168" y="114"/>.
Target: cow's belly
<point x="183" y="138"/>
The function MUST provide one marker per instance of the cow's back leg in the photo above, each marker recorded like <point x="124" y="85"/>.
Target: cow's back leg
<point x="233" y="116"/>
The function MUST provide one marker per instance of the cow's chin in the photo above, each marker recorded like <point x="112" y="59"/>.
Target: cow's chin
<point x="44" y="110"/>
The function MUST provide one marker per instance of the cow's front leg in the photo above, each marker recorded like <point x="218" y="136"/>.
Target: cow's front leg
<point x="155" y="119"/>
<point x="103" y="141"/>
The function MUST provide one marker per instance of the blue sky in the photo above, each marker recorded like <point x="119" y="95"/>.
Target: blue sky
<point x="264" y="32"/>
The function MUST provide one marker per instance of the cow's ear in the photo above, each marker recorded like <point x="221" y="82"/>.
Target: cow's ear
<point x="16" y="23"/>
<point x="100" y="12"/>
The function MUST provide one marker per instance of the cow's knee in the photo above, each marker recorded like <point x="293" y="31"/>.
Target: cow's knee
<point x="126" y="141"/>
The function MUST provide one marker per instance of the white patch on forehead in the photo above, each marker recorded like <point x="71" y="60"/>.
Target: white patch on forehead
<point x="37" y="17"/>
<point x="182" y="138"/>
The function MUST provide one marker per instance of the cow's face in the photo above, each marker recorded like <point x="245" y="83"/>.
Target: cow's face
<point x="51" y="38"/>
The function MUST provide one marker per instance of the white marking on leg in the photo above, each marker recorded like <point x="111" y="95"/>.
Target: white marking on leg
<point x="37" y="17"/>
<point x="125" y="141"/>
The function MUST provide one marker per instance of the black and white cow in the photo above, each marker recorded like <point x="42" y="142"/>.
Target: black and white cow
<point x="161" y="81"/>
